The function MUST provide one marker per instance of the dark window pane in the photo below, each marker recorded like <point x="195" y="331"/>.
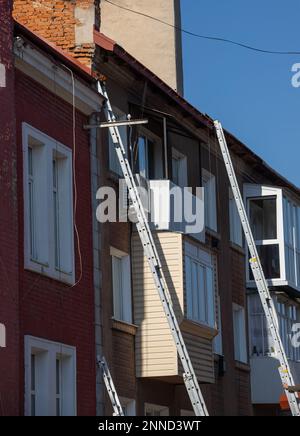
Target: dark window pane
<point x="269" y="257"/>
<point x="33" y="372"/>
<point x="263" y="218"/>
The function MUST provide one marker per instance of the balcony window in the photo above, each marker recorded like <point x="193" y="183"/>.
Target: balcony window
<point x="261" y="341"/>
<point x="179" y="169"/>
<point x="148" y="161"/>
<point x="200" y="285"/>
<point x="292" y="241"/>
<point x="275" y="222"/>
<point x="264" y="208"/>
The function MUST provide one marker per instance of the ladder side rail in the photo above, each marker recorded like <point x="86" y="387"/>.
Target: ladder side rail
<point x="260" y="280"/>
<point x="110" y="387"/>
<point x="151" y="253"/>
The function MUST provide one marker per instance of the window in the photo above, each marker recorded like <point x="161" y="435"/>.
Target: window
<point x="261" y="341"/>
<point x="292" y="241"/>
<point x="264" y="207"/>
<point x="288" y="315"/>
<point x="236" y="232"/>
<point x="128" y="406"/>
<point x="114" y="164"/>
<point x="218" y="340"/>
<point x="50" y="378"/>
<point x="209" y="184"/>
<point x="179" y="169"/>
<point x="48" y="206"/>
<point x="200" y="285"/>
<point x="155" y="410"/>
<point x="148" y="160"/>
<point x="240" y="341"/>
<point x="121" y="281"/>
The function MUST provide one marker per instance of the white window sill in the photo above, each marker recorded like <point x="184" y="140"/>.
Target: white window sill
<point x="45" y="271"/>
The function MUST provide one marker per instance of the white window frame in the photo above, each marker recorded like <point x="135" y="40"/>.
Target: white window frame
<point x="236" y="230"/>
<point x="240" y="335"/>
<point x="182" y="168"/>
<point x="252" y="191"/>
<point x="206" y="314"/>
<point x="288" y="314"/>
<point x="150" y="137"/>
<point x="129" y="406"/>
<point x="291" y="213"/>
<point x="210" y="200"/>
<point x="113" y="160"/>
<point x="45" y="389"/>
<point x="126" y="291"/>
<point x="156" y="410"/>
<point x="44" y="262"/>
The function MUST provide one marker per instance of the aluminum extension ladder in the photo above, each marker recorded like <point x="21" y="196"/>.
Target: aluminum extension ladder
<point x="260" y="280"/>
<point x="110" y="387"/>
<point x="150" y="251"/>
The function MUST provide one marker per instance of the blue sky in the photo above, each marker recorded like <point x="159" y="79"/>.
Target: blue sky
<point x="250" y="93"/>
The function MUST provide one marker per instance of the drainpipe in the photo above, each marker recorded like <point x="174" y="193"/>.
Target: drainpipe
<point x="95" y="179"/>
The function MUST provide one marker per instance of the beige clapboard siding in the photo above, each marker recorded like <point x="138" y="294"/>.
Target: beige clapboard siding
<point x="201" y="355"/>
<point x="156" y="354"/>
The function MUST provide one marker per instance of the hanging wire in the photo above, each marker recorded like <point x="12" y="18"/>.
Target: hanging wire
<point x="207" y="37"/>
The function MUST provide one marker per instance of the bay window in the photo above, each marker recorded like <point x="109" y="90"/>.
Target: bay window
<point x="200" y="285"/>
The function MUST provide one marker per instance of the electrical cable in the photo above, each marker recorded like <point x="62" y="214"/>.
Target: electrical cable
<point x="207" y="37"/>
<point x="74" y="176"/>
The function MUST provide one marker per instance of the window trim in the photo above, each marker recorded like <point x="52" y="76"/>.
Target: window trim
<point x="53" y="349"/>
<point x="47" y="267"/>
<point x="128" y="313"/>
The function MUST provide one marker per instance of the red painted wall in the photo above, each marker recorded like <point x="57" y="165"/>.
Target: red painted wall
<point x="9" y="356"/>
<point x="48" y="308"/>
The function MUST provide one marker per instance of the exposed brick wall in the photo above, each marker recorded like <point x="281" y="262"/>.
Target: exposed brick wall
<point x="55" y="20"/>
<point x="48" y="308"/>
<point x="9" y="356"/>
